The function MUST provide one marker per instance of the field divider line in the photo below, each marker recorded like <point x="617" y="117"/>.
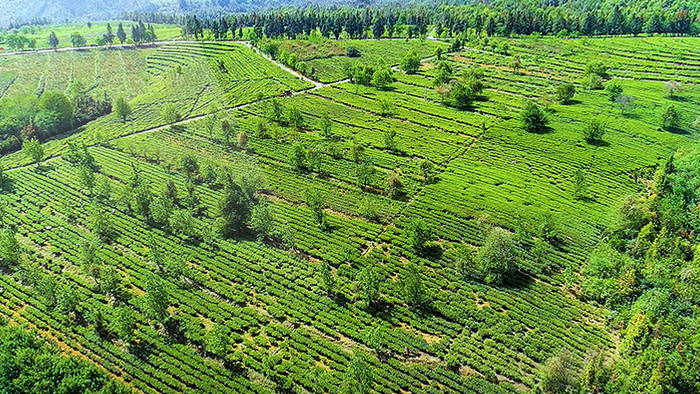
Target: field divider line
<point x="317" y="85"/>
<point x="443" y="164"/>
<point x="117" y="46"/>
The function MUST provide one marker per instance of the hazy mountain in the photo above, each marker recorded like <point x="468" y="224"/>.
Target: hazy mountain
<point x="72" y="10"/>
<point x="66" y="10"/>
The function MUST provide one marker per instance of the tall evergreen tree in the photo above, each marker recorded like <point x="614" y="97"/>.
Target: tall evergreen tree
<point x="121" y="34"/>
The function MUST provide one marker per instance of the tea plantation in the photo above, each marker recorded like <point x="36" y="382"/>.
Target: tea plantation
<point x="245" y="227"/>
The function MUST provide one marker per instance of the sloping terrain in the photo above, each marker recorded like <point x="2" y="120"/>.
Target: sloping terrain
<point x="254" y="315"/>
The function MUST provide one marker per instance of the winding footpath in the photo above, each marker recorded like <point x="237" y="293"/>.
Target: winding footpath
<point x="316" y="84"/>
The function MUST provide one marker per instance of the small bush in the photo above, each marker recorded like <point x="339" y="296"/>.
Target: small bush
<point x="353" y="52"/>
<point x="613" y="90"/>
<point x="593" y="82"/>
<point x="534" y="119"/>
<point x="597" y="68"/>
<point x="672" y="88"/>
<point x="594" y="131"/>
<point x="670" y="118"/>
<point x="566" y="92"/>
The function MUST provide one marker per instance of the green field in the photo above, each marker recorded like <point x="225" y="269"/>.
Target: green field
<point x="91" y="33"/>
<point x="281" y="330"/>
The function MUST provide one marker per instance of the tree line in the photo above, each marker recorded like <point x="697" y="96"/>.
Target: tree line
<point x="499" y="18"/>
<point x="48" y="113"/>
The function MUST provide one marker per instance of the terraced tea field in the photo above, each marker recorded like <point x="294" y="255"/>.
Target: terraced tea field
<point x="254" y="315"/>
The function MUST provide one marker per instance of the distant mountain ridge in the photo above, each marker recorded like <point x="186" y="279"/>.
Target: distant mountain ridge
<point x="69" y="10"/>
<point x="57" y="11"/>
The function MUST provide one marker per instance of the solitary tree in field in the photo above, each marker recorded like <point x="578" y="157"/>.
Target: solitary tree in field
<point x="242" y="139"/>
<point x="122" y="109"/>
<point x="109" y="280"/>
<point x="613" y="90"/>
<point x="580" y="191"/>
<point x="77" y="40"/>
<point x="394" y="186"/>
<point x="315" y="202"/>
<point x="382" y="78"/>
<point x="100" y="224"/>
<point x="234" y="210"/>
<point x="314" y="159"/>
<point x="672" y="88"/>
<point x="121" y="34"/>
<point x="161" y="209"/>
<point x="365" y="174"/>
<point x="53" y="40"/>
<point x="670" y="117"/>
<point x="86" y="178"/>
<point x="497" y="256"/>
<point x="4" y="182"/>
<point x="297" y="157"/>
<point x="276" y="112"/>
<point x="326" y="278"/>
<point x="296" y="118"/>
<point x="169" y="113"/>
<point x="594" y="131"/>
<point x="558" y="374"/>
<point x="124" y="323"/>
<point x="533" y="118"/>
<point x="32" y="148"/>
<point x="357" y="151"/>
<point x="598" y="68"/>
<point x="438" y="53"/>
<point x="625" y="103"/>
<point x="443" y="75"/>
<point x="411" y="63"/>
<point x="326" y="125"/>
<point x="462" y="95"/>
<point x="390" y="139"/>
<point x="444" y="91"/>
<point x="228" y="130"/>
<point x="217" y="341"/>
<point x="418" y="234"/>
<point x="9" y="248"/>
<point x="414" y="290"/>
<point x="427" y="168"/>
<point x="189" y="165"/>
<point x="55" y="113"/>
<point x="156" y="299"/>
<point x="516" y="64"/>
<point x="262" y="221"/>
<point x="566" y="92"/>
<point x="547" y="226"/>
<point x="359" y="376"/>
<point x="369" y="285"/>
<point x="386" y="107"/>
<point x="465" y="261"/>
<point x="182" y="223"/>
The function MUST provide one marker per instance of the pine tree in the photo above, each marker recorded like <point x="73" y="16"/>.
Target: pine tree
<point x="121" y="34"/>
<point x="53" y="40"/>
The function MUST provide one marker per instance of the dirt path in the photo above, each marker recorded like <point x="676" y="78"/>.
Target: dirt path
<point x="317" y="85"/>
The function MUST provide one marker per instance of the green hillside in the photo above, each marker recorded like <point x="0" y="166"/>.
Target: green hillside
<point x="383" y="222"/>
